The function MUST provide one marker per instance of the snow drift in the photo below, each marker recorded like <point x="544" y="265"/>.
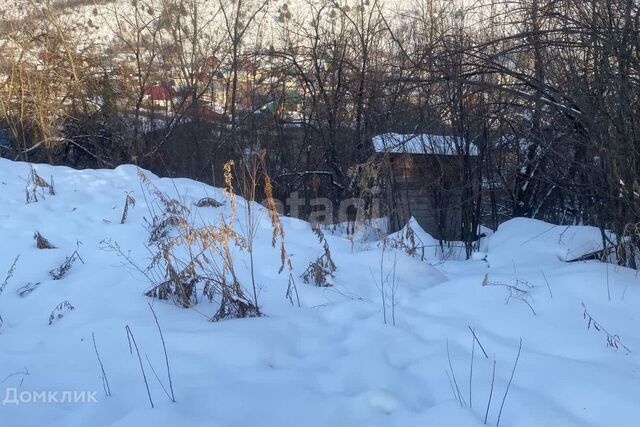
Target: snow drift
<point x="331" y="361"/>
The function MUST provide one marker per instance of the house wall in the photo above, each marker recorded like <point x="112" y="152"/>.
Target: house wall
<point x="427" y="187"/>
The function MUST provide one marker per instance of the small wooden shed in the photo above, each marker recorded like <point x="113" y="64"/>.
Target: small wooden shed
<point x="424" y="179"/>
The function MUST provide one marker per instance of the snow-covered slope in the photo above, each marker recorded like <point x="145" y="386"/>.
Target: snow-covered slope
<point x="331" y="361"/>
<point x="522" y="240"/>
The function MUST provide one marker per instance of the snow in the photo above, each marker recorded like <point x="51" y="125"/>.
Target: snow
<point x="331" y="361"/>
<point x="415" y="239"/>
<point x="521" y="239"/>
<point x="421" y="144"/>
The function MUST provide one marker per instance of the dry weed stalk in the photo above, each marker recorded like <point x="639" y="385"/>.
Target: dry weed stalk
<point x="8" y="277"/>
<point x="278" y="233"/>
<point x="131" y="340"/>
<point x="506" y="392"/>
<point x="456" y="387"/>
<point x="613" y="340"/>
<point x="25" y="290"/>
<point x="207" y="202"/>
<point x="228" y="186"/>
<point x="42" y="242"/>
<point x="38" y="185"/>
<point x="186" y="256"/>
<point x="407" y="242"/>
<point x="10" y="274"/>
<point x="103" y="374"/>
<point x="387" y="280"/>
<point x="59" y="272"/>
<point x="129" y="201"/>
<point x="234" y="302"/>
<point x="518" y="290"/>
<point x="166" y="358"/>
<point x="249" y="189"/>
<point x="323" y="267"/>
<point x="58" y="311"/>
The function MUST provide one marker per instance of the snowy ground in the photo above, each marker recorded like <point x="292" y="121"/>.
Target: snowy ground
<point x="330" y="362"/>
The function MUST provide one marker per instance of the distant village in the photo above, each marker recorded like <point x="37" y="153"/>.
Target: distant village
<point x="458" y="116"/>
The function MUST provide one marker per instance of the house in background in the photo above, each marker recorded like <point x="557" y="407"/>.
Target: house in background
<point x="159" y="96"/>
<point x="423" y="179"/>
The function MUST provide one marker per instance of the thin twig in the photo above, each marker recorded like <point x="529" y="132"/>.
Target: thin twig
<point x="473" y="352"/>
<point x="166" y="358"/>
<point x="478" y="341"/>
<point x="23" y="373"/>
<point x="613" y="340"/>
<point x="548" y="286"/>
<point x="453" y="374"/>
<point x="515" y="365"/>
<point x="105" y="381"/>
<point x="156" y="375"/>
<point x="10" y="273"/>
<point x="493" y="380"/>
<point x="130" y="338"/>
<point x="453" y="390"/>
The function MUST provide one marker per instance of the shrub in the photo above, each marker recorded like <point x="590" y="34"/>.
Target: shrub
<point x="321" y="270"/>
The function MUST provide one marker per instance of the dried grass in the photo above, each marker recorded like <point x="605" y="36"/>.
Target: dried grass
<point x="42" y="242"/>
<point x="38" y="186"/>
<point x="128" y="202"/>
<point x="59" y="310"/>
<point x="190" y="260"/>
<point x="320" y="271"/>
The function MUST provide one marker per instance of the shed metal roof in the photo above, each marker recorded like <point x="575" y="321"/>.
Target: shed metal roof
<point x="441" y="145"/>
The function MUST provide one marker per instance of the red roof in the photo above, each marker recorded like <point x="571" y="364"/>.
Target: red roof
<point x="159" y="93"/>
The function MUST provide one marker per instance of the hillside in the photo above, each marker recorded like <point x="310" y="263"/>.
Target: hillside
<point x="330" y="361"/>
